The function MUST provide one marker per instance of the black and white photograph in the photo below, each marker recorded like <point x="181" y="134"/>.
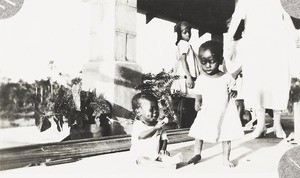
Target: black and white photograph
<point x="150" y="88"/>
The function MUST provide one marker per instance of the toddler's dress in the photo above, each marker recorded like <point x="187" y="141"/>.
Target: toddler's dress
<point x="147" y="148"/>
<point x="218" y="119"/>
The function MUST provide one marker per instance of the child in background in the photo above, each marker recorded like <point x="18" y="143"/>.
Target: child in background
<point x="148" y="137"/>
<point x="217" y="118"/>
<point x="187" y="67"/>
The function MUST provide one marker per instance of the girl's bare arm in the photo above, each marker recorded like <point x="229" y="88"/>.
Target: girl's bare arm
<point x="190" y="82"/>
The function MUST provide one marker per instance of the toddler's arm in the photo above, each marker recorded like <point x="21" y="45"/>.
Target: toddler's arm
<point x="152" y="131"/>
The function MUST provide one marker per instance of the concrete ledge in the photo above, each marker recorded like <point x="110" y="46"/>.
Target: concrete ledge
<point x="63" y="152"/>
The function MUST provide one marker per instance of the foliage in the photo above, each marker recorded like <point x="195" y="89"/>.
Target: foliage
<point x="44" y="100"/>
<point x="294" y="93"/>
<point x="159" y="85"/>
<point x="16" y="99"/>
<point x="60" y="105"/>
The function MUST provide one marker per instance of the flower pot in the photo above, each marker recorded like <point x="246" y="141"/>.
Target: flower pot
<point x="88" y="131"/>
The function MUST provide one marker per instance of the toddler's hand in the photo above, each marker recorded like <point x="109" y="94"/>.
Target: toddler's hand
<point x="165" y="120"/>
<point x="160" y="124"/>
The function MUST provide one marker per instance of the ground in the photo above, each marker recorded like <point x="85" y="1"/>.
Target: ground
<point x="253" y="157"/>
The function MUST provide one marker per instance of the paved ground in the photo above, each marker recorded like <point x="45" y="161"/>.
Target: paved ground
<point x="20" y="136"/>
<point x="254" y="158"/>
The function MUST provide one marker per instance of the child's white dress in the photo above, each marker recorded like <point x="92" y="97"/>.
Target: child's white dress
<point x="218" y="119"/>
<point x="149" y="147"/>
<point x="183" y="47"/>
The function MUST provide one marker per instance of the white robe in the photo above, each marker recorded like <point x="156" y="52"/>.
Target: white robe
<point x="265" y="50"/>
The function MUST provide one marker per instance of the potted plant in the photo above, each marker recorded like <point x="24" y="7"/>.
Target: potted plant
<point x="86" y="113"/>
<point x="97" y="110"/>
<point x="160" y="85"/>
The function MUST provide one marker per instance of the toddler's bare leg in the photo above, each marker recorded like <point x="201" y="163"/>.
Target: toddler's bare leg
<point x="197" y="152"/>
<point x="226" y="154"/>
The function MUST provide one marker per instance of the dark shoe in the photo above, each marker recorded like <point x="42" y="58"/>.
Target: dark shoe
<point x="195" y="159"/>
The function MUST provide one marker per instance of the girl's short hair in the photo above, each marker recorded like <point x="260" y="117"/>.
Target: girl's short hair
<point x="177" y="29"/>
<point x="215" y="47"/>
<point x="135" y="102"/>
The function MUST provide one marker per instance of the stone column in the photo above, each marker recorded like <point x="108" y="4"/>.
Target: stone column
<point x="112" y="69"/>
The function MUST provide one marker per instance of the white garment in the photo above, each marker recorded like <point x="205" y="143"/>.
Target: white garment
<point x="218" y="119"/>
<point x="232" y="65"/>
<point x="265" y="51"/>
<point x="148" y="147"/>
<point x="183" y="47"/>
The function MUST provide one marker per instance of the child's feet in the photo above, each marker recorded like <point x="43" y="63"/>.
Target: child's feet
<point x="228" y="163"/>
<point x="195" y="159"/>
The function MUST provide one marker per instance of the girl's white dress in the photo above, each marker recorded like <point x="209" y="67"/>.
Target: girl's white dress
<point x="218" y="119"/>
<point x="183" y="47"/>
<point x="265" y="50"/>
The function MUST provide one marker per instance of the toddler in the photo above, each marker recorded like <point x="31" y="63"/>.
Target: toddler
<point x="217" y="118"/>
<point x="148" y="137"/>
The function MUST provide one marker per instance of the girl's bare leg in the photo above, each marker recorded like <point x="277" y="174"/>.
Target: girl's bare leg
<point x="278" y="131"/>
<point x="226" y="154"/>
<point x="197" y="151"/>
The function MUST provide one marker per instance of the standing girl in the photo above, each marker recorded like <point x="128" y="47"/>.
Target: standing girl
<point x="217" y="118"/>
<point x="187" y="68"/>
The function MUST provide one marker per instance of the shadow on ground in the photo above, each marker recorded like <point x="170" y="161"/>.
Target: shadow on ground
<point x="250" y="144"/>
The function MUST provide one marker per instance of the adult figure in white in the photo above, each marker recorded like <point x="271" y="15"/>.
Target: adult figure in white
<point x="266" y="47"/>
